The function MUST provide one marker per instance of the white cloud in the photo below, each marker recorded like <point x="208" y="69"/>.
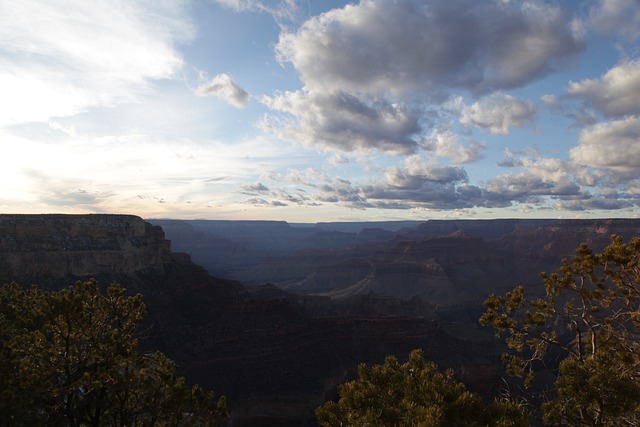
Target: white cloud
<point x="614" y="144"/>
<point x="372" y="71"/>
<point x="340" y="120"/>
<point x="621" y="17"/>
<point x="418" y="169"/>
<point x="223" y="87"/>
<point x="255" y="188"/>
<point x="70" y="130"/>
<point x="447" y="144"/>
<point x="418" y="182"/>
<point x="60" y="58"/>
<point x="382" y="46"/>
<point x="616" y="93"/>
<point x="498" y="113"/>
<point x="130" y="173"/>
<point x="537" y="177"/>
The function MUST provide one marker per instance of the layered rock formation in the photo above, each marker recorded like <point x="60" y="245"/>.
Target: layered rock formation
<point x="275" y="355"/>
<point x="58" y="246"/>
<point x="444" y="262"/>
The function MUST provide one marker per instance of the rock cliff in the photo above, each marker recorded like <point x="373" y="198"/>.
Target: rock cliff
<point x="275" y="355"/>
<point x="57" y="246"/>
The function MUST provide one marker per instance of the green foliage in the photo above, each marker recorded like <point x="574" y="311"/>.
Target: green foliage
<point x="413" y="394"/>
<point x="70" y="358"/>
<point x="591" y="314"/>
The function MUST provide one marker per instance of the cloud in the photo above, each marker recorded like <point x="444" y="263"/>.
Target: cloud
<point x="419" y="182"/>
<point x="77" y="194"/>
<point x="340" y="120"/>
<point x="338" y="190"/>
<point x="552" y="102"/>
<point x="579" y="116"/>
<point x="374" y="71"/>
<point x="619" y="17"/>
<point x="596" y="203"/>
<point x="260" y="202"/>
<point x="616" y="93"/>
<point x="216" y="179"/>
<point x="279" y="9"/>
<point x="614" y="145"/>
<point x="70" y="130"/>
<point x="498" y="114"/>
<point x="223" y="87"/>
<point x="418" y="169"/>
<point x="381" y="46"/>
<point x="446" y="143"/>
<point x="256" y="188"/>
<point x="100" y="53"/>
<point x="537" y="177"/>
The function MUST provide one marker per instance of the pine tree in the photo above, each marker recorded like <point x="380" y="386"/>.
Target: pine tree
<point x="71" y="358"/>
<point x="590" y="315"/>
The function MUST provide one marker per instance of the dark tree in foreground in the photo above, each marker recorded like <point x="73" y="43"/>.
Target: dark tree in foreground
<point x="591" y="316"/>
<point x="415" y="393"/>
<point x="71" y="358"/>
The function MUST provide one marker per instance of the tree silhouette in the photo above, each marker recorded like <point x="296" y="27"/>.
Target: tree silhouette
<point x="590" y="314"/>
<point x="71" y="358"/>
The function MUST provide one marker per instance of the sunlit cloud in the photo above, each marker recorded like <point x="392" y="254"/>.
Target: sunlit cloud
<point x="498" y="114"/>
<point x="223" y="87"/>
<point x="616" y="93"/>
<point x="84" y="55"/>
<point x="614" y="145"/>
<point x="366" y="109"/>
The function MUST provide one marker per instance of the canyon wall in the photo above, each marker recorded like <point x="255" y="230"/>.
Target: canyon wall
<point x="57" y="246"/>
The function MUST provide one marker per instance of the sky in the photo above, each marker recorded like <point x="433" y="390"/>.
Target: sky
<point x="321" y="110"/>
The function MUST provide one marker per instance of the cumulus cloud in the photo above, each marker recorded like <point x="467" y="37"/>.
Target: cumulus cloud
<point x="418" y="169"/>
<point x="419" y="182"/>
<point x="380" y="46"/>
<point x="93" y="54"/>
<point x="338" y="190"/>
<point x="616" y="93"/>
<point x="614" y="144"/>
<point x="223" y="87"/>
<point x="498" y="114"/>
<point x="372" y="71"/>
<point x="537" y="177"/>
<point x="619" y="17"/>
<point x="340" y="120"/>
<point x="597" y="202"/>
<point x="447" y="144"/>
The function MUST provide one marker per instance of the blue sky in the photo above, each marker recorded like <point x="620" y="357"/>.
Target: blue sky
<point x="315" y="110"/>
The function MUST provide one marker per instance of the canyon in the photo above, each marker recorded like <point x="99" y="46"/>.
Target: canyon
<point x="275" y="315"/>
